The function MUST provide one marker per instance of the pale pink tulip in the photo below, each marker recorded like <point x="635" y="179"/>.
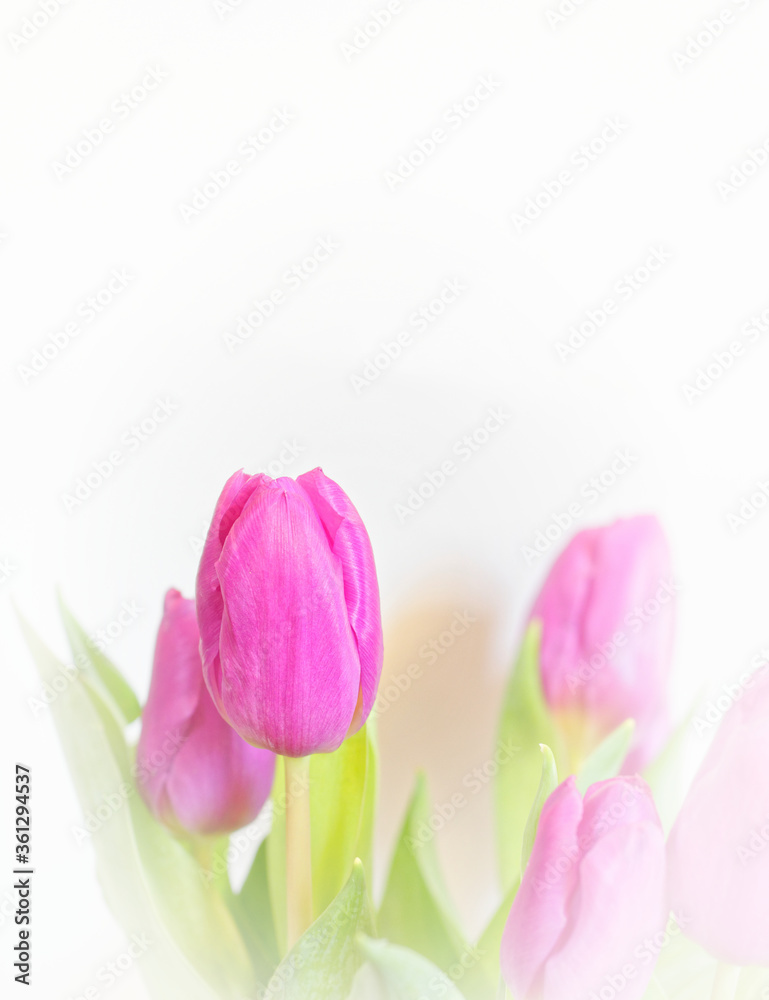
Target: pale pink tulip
<point x="607" y="612"/>
<point x="593" y="892"/>
<point x="718" y="852"/>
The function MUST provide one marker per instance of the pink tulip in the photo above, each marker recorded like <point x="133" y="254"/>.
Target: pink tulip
<point x="718" y="852"/>
<point x="288" y="606"/>
<point x="194" y="772"/>
<point x="591" y="898"/>
<point x="607" y="610"/>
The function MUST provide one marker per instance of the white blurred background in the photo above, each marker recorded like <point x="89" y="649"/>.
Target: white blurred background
<point x="348" y="112"/>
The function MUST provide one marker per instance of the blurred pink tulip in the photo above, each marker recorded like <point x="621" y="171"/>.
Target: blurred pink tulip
<point x="607" y="613"/>
<point x="288" y="606"/>
<point x="592" y="895"/>
<point x="194" y="772"/>
<point x="718" y="851"/>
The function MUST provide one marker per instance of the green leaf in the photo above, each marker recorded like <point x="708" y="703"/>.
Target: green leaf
<point x="343" y="787"/>
<point x="275" y="857"/>
<point x="253" y="912"/>
<point x="87" y="656"/>
<point x="342" y="799"/>
<point x="608" y="757"/>
<point x="416" y="909"/>
<point x="490" y="943"/>
<point x="525" y="723"/>
<point x="151" y="882"/>
<point x="665" y="775"/>
<point x="400" y="974"/>
<point x="547" y="784"/>
<point x="323" y="962"/>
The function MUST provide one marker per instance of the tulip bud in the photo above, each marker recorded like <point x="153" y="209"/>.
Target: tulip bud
<point x="194" y="772"/>
<point x="288" y="606"/>
<point x="607" y="611"/>
<point x="718" y="851"/>
<point x="593" y="892"/>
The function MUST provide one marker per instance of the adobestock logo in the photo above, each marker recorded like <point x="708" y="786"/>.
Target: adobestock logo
<point x="34" y="23"/>
<point x="365" y="33"/>
<point x="86" y="312"/>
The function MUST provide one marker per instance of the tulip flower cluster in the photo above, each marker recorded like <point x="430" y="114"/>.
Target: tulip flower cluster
<point x="258" y="706"/>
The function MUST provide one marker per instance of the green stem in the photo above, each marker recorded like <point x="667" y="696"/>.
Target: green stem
<point x="298" y="847"/>
<point x="211" y="856"/>
<point x="725" y="982"/>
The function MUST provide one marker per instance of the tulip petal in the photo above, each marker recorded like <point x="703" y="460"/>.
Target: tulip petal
<point x="592" y="893"/>
<point x="237" y="491"/>
<point x="350" y="543"/>
<point x="540" y="909"/>
<point x="619" y="904"/>
<point x="193" y="770"/>
<point x="218" y="781"/>
<point x="718" y="851"/>
<point x="293" y="674"/>
<point x="173" y="698"/>
<point x="607" y="609"/>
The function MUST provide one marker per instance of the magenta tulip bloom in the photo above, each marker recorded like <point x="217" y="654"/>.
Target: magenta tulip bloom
<point x="592" y="894"/>
<point x="194" y="772"/>
<point x="607" y="612"/>
<point x="718" y="852"/>
<point x="288" y="606"/>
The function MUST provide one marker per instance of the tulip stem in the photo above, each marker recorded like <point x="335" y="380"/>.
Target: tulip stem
<point x="725" y="982"/>
<point x="298" y="847"/>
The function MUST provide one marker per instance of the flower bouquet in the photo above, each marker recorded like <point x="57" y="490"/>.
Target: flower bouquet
<point x="258" y="742"/>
